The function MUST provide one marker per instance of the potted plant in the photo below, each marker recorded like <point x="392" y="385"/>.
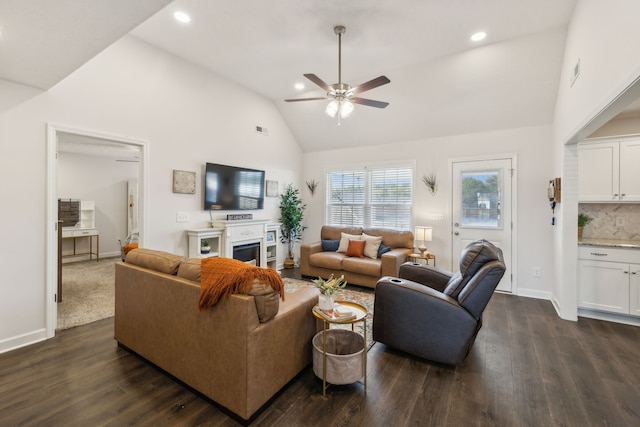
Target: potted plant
<point x="328" y="288"/>
<point x="583" y="219"/>
<point x="205" y="248"/>
<point x="291" y="213"/>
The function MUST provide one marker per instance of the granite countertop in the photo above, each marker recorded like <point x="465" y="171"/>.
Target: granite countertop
<point x="612" y="243"/>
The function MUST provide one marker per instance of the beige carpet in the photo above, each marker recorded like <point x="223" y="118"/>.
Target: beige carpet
<point x="88" y="292"/>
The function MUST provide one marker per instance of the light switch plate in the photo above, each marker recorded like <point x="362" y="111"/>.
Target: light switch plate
<point x="620" y="221"/>
<point x="182" y="216"/>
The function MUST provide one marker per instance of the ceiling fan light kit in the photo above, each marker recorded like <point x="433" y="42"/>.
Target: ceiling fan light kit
<point x="341" y="95"/>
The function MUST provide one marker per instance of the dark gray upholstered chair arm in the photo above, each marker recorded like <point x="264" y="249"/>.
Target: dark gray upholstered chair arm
<point x="421" y="321"/>
<point x="426" y="275"/>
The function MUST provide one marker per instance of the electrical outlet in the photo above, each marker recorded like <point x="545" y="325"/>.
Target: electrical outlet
<point x="537" y="272"/>
<point x="182" y="216"/>
<point x="620" y="221"/>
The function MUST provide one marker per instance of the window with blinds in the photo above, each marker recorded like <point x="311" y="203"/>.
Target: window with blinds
<point x="378" y="196"/>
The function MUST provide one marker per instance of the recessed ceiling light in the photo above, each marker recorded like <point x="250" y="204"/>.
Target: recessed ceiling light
<point x="480" y="35"/>
<point x="299" y="86"/>
<point x="182" y="17"/>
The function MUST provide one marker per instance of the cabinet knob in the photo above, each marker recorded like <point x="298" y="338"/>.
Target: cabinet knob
<point x="623" y="194"/>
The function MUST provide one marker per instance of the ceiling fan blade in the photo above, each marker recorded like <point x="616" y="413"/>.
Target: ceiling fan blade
<point x="369" y="102"/>
<point x="317" y="80"/>
<point x="305" y="99"/>
<point x="371" y="84"/>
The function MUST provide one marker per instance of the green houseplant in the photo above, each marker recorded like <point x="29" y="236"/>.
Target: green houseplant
<point x="291" y="214"/>
<point x="583" y="219"/>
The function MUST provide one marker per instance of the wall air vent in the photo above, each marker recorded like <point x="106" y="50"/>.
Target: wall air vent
<point x="262" y="130"/>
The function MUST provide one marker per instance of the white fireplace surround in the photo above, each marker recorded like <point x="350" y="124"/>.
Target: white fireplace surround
<point x="240" y="232"/>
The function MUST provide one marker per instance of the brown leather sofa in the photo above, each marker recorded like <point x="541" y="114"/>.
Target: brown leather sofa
<point x="224" y="352"/>
<point x="363" y="271"/>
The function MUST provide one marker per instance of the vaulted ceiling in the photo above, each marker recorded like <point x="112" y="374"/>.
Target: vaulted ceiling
<point x="441" y="82"/>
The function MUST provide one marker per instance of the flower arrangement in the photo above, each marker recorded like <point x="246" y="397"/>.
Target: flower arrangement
<point x="330" y="286"/>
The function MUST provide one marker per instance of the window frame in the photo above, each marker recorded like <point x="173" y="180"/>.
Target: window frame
<point x="367" y="207"/>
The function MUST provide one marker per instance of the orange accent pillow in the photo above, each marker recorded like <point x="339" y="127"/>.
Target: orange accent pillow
<point x="130" y="246"/>
<point x="356" y="248"/>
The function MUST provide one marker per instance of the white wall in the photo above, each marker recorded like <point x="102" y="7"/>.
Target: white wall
<point x="605" y="36"/>
<point x="102" y="180"/>
<point x="532" y="145"/>
<point x="188" y="116"/>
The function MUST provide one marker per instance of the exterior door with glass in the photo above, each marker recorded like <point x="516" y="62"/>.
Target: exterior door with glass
<point x="482" y="208"/>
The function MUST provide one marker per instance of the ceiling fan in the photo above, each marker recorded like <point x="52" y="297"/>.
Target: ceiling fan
<point x="342" y="95"/>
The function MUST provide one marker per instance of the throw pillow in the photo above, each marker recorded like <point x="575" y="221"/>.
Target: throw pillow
<point x="330" y="245"/>
<point x="344" y="241"/>
<point x="372" y="245"/>
<point x="355" y="248"/>
<point x="383" y="250"/>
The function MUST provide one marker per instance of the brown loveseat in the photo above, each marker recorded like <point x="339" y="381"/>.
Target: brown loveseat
<point x="224" y="352"/>
<point x="365" y="270"/>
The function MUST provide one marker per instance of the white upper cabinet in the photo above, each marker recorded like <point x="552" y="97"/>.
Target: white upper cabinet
<point x="630" y="170"/>
<point x="608" y="170"/>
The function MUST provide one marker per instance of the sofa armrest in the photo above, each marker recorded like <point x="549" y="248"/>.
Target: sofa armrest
<point x="306" y="250"/>
<point x="418" y="320"/>
<point x="433" y="277"/>
<point x="392" y="260"/>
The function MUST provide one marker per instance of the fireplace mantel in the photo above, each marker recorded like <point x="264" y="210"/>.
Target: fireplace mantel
<point x="241" y="232"/>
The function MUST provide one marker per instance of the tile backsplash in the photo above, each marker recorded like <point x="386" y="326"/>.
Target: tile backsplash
<point x="619" y="221"/>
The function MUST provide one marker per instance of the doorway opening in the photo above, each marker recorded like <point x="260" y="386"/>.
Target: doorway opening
<point x="82" y="146"/>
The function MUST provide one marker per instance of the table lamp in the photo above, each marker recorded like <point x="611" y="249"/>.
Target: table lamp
<point x="423" y="234"/>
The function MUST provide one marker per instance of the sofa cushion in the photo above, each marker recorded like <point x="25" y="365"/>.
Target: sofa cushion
<point x="164" y="262"/>
<point x="383" y="250"/>
<point x="267" y="300"/>
<point x="364" y="266"/>
<point x="190" y="269"/>
<point x="356" y="248"/>
<point x="475" y="256"/>
<point x="454" y="286"/>
<point x="392" y="238"/>
<point x="344" y="241"/>
<point x="372" y="245"/>
<point x="330" y="260"/>
<point x="331" y="232"/>
<point x="330" y="245"/>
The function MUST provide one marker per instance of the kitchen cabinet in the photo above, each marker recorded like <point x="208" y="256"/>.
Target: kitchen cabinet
<point x="609" y="280"/>
<point x="608" y="170"/>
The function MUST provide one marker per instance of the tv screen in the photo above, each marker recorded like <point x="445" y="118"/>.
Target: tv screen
<point x="233" y="188"/>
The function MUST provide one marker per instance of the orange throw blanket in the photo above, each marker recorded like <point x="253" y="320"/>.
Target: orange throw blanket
<point x="225" y="276"/>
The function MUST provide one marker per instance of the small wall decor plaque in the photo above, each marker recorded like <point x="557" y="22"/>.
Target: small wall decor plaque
<point x="234" y="217"/>
<point x="272" y="188"/>
<point x="184" y="182"/>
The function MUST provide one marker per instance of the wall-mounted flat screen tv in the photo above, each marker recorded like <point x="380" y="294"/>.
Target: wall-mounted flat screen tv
<point x="233" y="188"/>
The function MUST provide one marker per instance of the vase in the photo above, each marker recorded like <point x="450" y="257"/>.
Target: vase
<point x="325" y="302"/>
<point x="580" y="229"/>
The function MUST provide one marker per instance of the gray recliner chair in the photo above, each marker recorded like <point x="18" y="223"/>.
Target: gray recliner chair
<point x="435" y="314"/>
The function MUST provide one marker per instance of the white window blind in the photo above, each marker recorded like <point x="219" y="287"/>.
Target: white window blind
<point x="378" y="196"/>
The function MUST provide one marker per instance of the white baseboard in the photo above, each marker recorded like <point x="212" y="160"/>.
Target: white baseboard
<point x="609" y="317"/>
<point x="534" y="293"/>
<point x="16" y="342"/>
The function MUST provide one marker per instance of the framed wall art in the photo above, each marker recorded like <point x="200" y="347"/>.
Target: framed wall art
<point x="272" y="188"/>
<point x="184" y="182"/>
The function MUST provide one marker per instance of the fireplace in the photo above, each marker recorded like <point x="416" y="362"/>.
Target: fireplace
<point x="247" y="252"/>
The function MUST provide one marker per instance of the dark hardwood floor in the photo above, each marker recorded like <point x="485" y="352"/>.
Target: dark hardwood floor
<point x="528" y="367"/>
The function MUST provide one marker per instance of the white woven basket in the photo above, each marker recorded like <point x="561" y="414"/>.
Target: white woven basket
<point x="344" y="356"/>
